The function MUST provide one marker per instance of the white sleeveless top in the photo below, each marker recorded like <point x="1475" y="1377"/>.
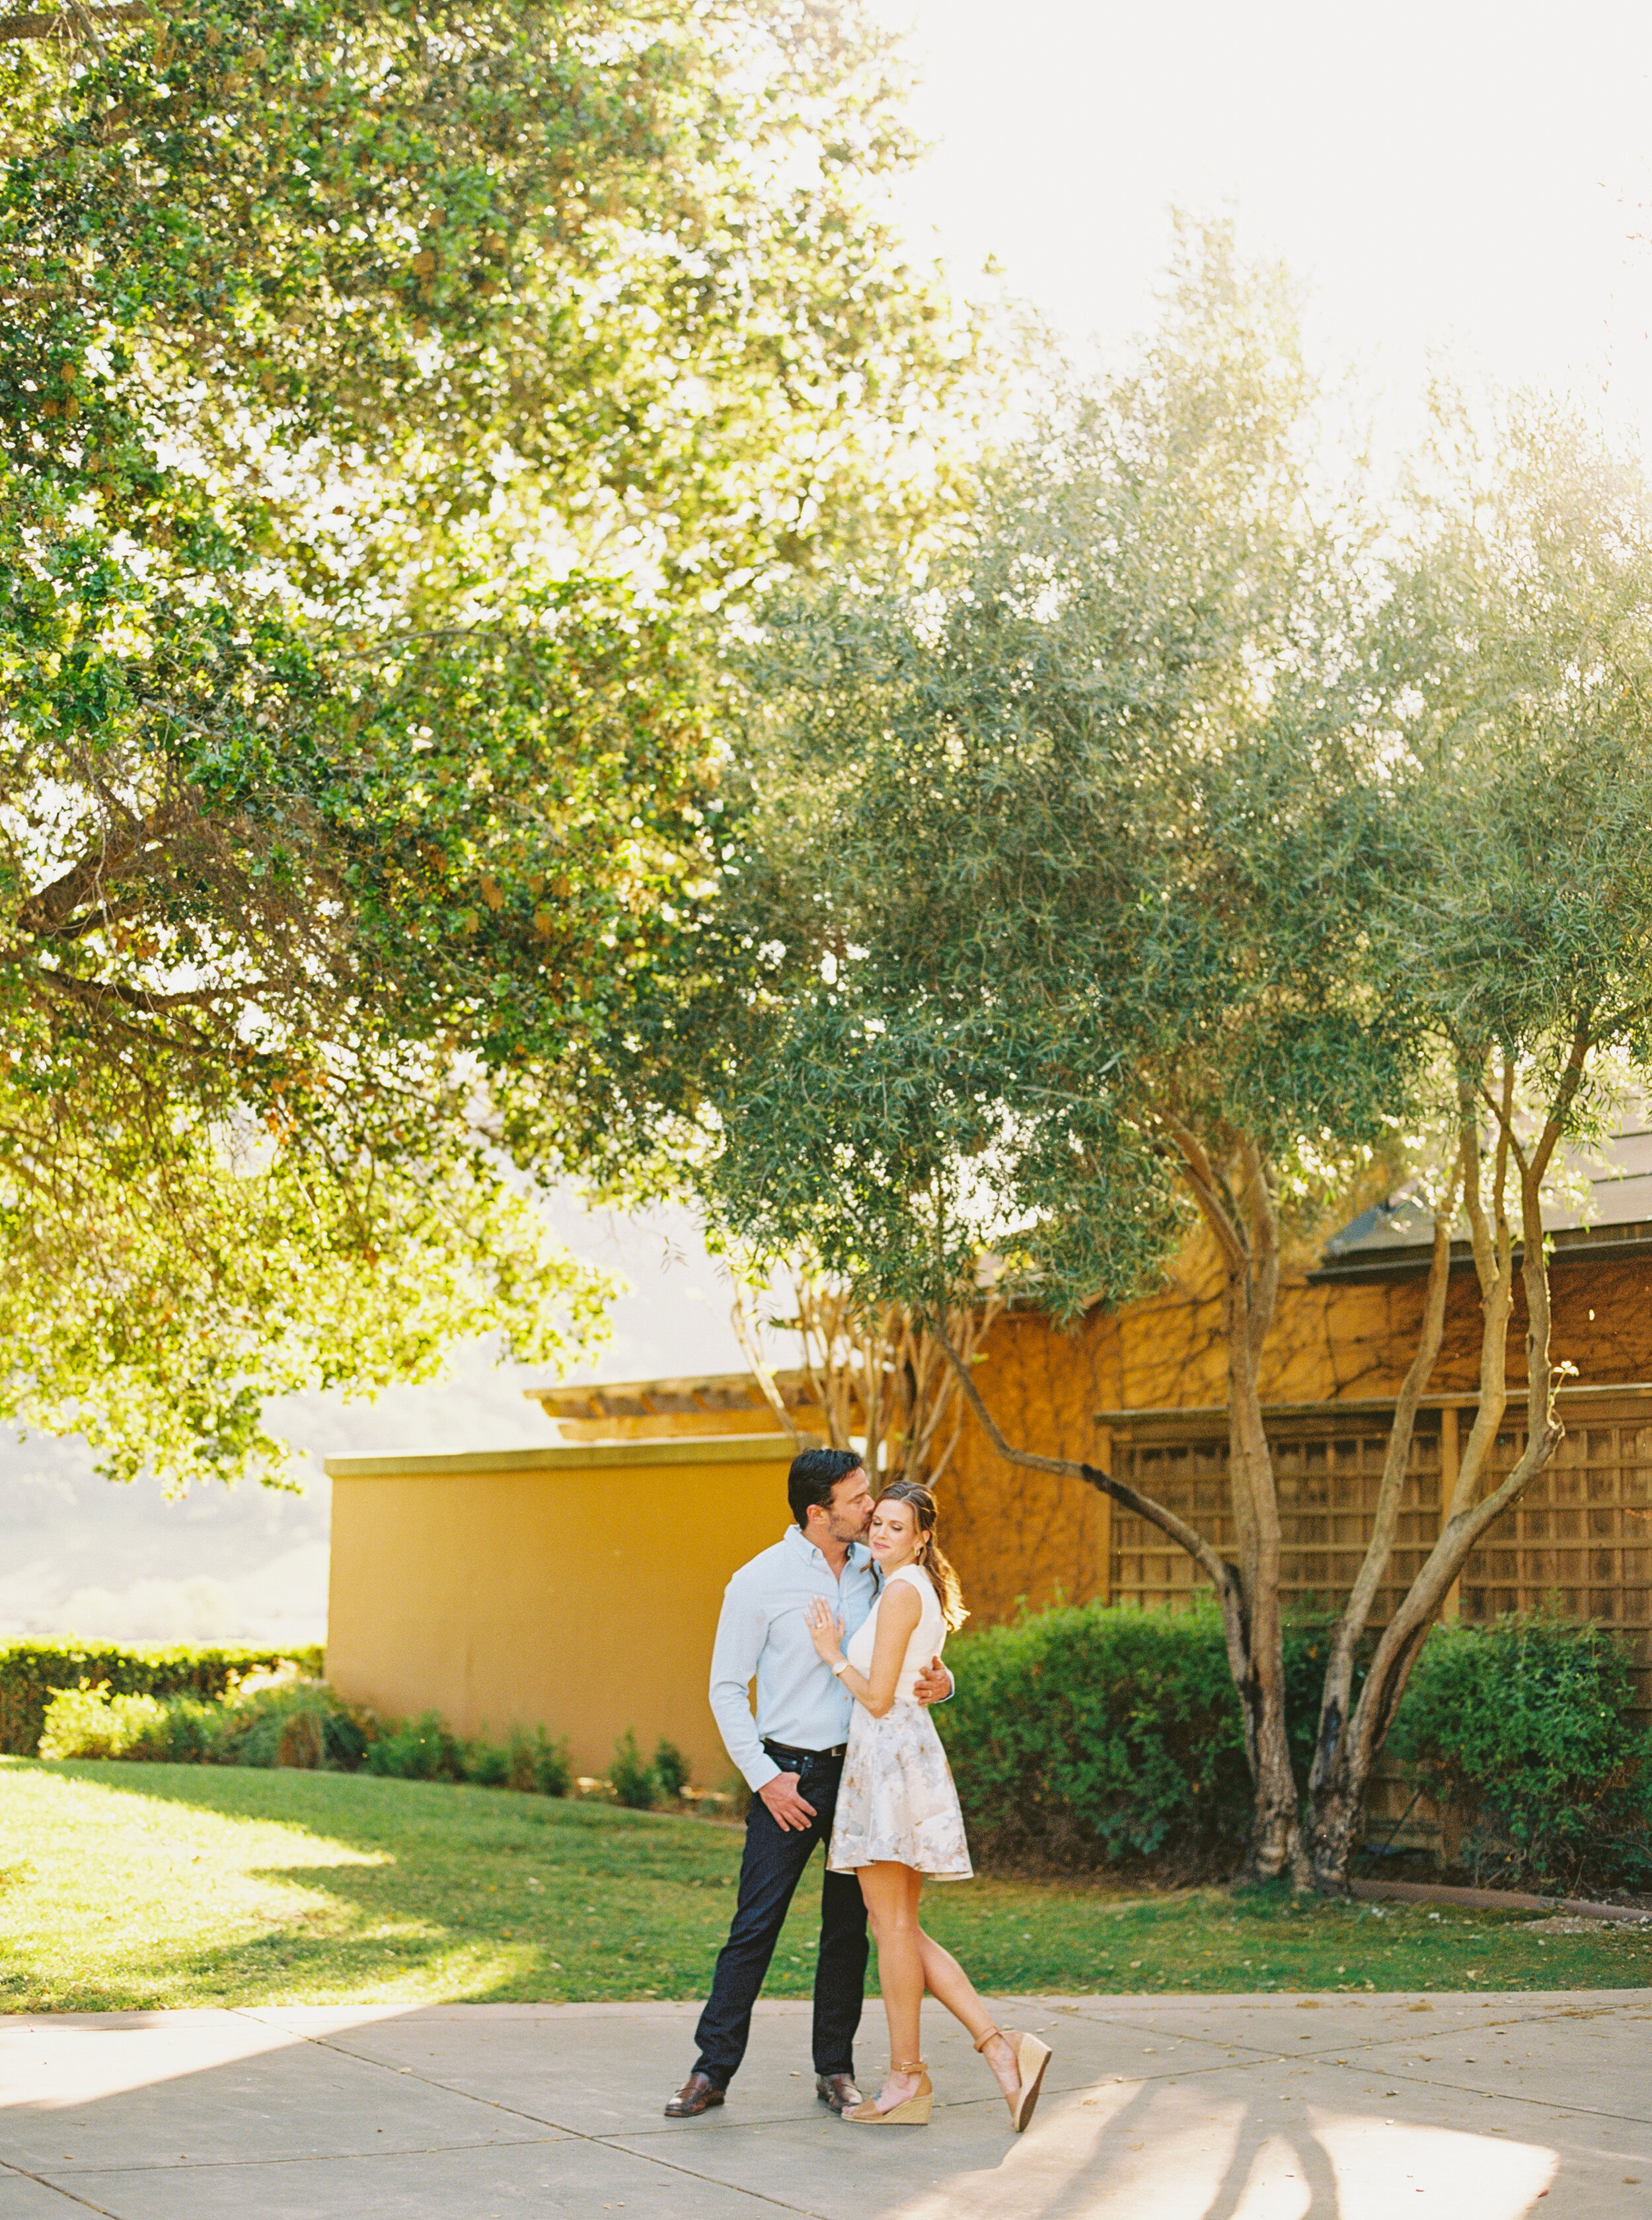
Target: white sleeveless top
<point x="927" y="1640"/>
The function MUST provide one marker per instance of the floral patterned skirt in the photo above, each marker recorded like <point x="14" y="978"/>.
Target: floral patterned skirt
<point x="897" y="1800"/>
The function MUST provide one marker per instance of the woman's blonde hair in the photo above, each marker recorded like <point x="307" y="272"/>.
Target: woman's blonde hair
<point x="931" y="1556"/>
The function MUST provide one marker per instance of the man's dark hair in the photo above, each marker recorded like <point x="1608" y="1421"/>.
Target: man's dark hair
<point x="814" y="1475"/>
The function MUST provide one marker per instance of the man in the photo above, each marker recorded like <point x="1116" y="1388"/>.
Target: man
<point x="792" y="1755"/>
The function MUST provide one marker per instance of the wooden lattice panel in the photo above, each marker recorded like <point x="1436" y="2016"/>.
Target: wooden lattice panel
<point x="1579" y="1542"/>
<point x="1327" y="1471"/>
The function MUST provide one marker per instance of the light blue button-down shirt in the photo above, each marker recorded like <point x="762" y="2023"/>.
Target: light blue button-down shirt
<point x="763" y="1630"/>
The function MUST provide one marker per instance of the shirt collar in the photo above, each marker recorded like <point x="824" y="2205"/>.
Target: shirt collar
<point x="859" y="1559"/>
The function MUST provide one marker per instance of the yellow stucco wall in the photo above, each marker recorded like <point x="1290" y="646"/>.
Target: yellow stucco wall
<point x="578" y="1586"/>
<point x="575" y="1586"/>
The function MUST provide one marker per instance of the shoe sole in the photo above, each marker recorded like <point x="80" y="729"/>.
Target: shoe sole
<point x="1028" y="2102"/>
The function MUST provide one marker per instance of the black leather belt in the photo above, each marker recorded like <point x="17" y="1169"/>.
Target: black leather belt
<point x="780" y="1750"/>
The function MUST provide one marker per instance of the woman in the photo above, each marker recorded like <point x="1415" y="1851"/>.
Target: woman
<point x="898" y="1818"/>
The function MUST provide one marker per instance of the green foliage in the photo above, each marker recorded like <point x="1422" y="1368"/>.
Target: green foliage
<point x="280" y="1720"/>
<point x="671" y="1769"/>
<point x="296" y="1723"/>
<point x="528" y="1759"/>
<point x="1514" y="661"/>
<point x="626" y="269"/>
<point x="347" y="355"/>
<point x="634" y="1784"/>
<point x="1106" y="1736"/>
<point x="30" y="1670"/>
<point x="1067" y="855"/>
<point x="1103" y="1735"/>
<point x="292" y="1723"/>
<point x="418" y="1749"/>
<point x="1518" y="1732"/>
<point x="88" y="1722"/>
<point x="487" y="1763"/>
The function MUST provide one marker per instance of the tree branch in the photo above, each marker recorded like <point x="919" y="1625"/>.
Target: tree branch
<point x="1223" y="1577"/>
<point x="1339" y="1666"/>
<point x="72" y="22"/>
<point x="1201" y="1178"/>
<point x="140" y="998"/>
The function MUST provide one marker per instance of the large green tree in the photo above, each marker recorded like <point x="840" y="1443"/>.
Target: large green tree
<point x="385" y="393"/>
<point x="1168" y="858"/>
<point x="1512" y="690"/>
<point x="1072" y="915"/>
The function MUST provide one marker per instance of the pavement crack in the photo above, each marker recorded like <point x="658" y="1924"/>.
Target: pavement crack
<point x="46" y="2181"/>
<point x="610" y="2141"/>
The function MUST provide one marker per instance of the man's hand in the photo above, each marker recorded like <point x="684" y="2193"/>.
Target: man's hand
<point x="934" y="1683"/>
<point x="787" y="1808"/>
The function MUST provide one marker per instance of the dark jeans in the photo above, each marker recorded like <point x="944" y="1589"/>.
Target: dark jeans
<point x="769" y="1872"/>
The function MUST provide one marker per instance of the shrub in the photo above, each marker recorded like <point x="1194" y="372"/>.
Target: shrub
<point x="527" y="1760"/>
<point x="633" y="1782"/>
<point x="552" y="1774"/>
<point x="670" y="1768"/>
<point x="1517" y="1731"/>
<point x="421" y="1750"/>
<point x="290" y="1723"/>
<point x="88" y="1722"/>
<point x="1107" y="1734"/>
<point x="190" y="1733"/>
<point x="31" y="1672"/>
<point x="487" y="1764"/>
<point x="293" y="1723"/>
<point x="297" y="1723"/>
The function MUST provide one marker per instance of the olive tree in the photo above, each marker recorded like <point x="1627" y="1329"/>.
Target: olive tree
<point x="1068" y="931"/>
<point x="1514" y="674"/>
<point x="1164" y="863"/>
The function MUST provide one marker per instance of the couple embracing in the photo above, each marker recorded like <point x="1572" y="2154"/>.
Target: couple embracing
<point x="842" y="1624"/>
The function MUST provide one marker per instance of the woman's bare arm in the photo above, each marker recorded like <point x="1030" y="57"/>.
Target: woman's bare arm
<point x="897" y="1617"/>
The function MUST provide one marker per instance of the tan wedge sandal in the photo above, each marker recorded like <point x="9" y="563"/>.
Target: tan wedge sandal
<point x="1032" y="2057"/>
<point x="912" y="2112"/>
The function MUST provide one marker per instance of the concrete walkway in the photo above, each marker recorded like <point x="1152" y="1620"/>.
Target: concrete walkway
<point x="1342" y="2107"/>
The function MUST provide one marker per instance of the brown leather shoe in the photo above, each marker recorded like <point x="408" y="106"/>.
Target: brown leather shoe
<point x="698" y="2094"/>
<point x="837" y="2090"/>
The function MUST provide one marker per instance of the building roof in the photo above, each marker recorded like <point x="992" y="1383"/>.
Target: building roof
<point x="1605" y="1209"/>
<point x="720" y="1403"/>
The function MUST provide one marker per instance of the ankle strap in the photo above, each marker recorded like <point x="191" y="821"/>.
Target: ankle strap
<point x="988" y="2037"/>
<point x="910" y="2066"/>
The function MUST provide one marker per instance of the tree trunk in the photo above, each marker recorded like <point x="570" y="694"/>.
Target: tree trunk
<point x="1345" y="1755"/>
<point x="1245" y="1227"/>
<point x="1259" y="1676"/>
<point x="1337" y="1781"/>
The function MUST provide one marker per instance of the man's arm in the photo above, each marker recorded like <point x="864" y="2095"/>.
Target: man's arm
<point x="934" y="1685"/>
<point x="741" y="1627"/>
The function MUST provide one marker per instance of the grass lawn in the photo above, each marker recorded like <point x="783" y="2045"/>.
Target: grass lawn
<point x="148" y="1885"/>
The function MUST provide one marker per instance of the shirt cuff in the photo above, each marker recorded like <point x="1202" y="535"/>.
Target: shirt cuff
<point x="761" y="1770"/>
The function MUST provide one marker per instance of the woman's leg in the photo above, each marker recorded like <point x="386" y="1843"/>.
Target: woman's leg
<point x="949" y="1984"/>
<point x="891" y="1891"/>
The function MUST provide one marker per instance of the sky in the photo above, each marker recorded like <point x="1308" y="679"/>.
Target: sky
<point x="1453" y="182"/>
<point x="1458" y="186"/>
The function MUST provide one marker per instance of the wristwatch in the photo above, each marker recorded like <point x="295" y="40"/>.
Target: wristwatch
<point x="842" y="1666"/>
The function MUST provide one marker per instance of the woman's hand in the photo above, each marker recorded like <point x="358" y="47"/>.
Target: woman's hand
<point x="826" y="1629"/>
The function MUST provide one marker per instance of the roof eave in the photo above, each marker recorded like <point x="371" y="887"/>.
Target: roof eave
<point x="1573" y="1244"/>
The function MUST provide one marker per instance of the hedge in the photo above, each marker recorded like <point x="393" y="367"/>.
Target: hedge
<point x="1518" y="1732"/>
<point x="1107" y="1735"/>
<point x="30" y="1671"/>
